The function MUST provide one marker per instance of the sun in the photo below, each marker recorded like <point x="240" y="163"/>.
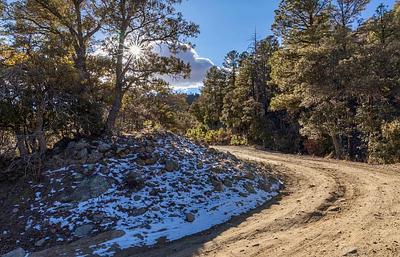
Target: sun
<point x="135" y="50"/>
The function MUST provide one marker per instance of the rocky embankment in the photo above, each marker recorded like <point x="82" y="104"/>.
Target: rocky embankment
<point x="150" y="188"/>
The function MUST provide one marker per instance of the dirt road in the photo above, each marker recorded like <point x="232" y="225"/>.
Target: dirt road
<point x="329" y="208"/>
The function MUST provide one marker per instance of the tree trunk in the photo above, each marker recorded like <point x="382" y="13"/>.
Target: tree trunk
<point x="23" y="150"/>
<point x="116" y="107"/>
<point x="39" y="132"/>
<point x="120" y="74"/>
<point x="336" y="144"/>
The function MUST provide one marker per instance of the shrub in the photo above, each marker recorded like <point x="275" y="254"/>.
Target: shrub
<point x="385" y="148"/>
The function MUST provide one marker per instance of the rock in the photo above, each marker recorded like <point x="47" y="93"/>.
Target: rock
<point x="89" y="170"/>
<point x="19" y="252"/>
<point x="98" y="217"/>
<point x="41" y="242"/>
<point x="137" y="198"/>
<point x="81" y="145"/>
<point x="82" y="154"/>
<point x="242" y="194"/>
<point x="154" y="192"/>
<point x="141" y="150"/>
<point x="149" y="149"/>
<point x="121" y="152"/>
<point x="89" y="188"/>
<point x="334" y="209"/>
<point x="134" y="181"/>
<point x="104" y="147"/>
<point x="71" y="145"/>
<point x="190" y="217"/>
<point x="150" y="161"/>
<point x="249" y="188"/>
<point x="265" y="185"/>
<point x="15" y="210"/>
<point x="233" y="157"/>
<point x="227" y="182"/>
<point x="94" y="157"/>
<point x="84" y="230"/>
<point x="249" y="175"/>
<point x="218" y="186"/>
<point x="171" y="165"/>
<point x="162" y="240"/>
<point x="351" y="252"/>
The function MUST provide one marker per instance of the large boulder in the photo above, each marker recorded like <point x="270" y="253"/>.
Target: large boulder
<point x="89" y="188"/>
<point x="19" y="252"/>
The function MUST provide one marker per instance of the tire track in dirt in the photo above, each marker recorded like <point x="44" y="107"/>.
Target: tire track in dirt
<point x="329" y="208"/>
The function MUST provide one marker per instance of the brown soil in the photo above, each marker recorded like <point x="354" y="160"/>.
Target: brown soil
<point x="329" y="208"/>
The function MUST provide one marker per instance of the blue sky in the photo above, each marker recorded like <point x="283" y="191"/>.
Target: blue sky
<point x="229" y="24"/>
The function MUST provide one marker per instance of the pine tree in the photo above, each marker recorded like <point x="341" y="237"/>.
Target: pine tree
<point x="211" y="99"/>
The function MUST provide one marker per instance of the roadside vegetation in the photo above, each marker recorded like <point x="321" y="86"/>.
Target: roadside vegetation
<point x="330" y="87"/>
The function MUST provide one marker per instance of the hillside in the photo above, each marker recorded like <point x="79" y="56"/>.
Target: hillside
<point x="148" y="189"/>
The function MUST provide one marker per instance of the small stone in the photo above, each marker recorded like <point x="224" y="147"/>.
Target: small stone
<point x="149" y="149"/>
<point x="104" y="147"/>
<point x="84" y="230"/>
<point x="162" y="240"/>
<point x="249" y="187"/>
<point x="150" y="161"/>
<point x="15" y="210"/>
<point x="82" y="154"/>
<point x="19" y="252"/>
<point x="98" y="217"/>
<point x="121" y="152"/>
<point x="218" y="186"/>
<point x="95" y="157"/>
<point x="71" y="145"/>
<point x="243" y="194"/>
<point x="227" y="182"/>
<point x="41" y="242"/>
<point x="134" y="181"/>
<point x="171" y="165"/>
<point x="334" y="209"/>
<point x="249" y="175"/>
<point x="351" y="252"/>
<point x="137" y="198"/>
<point x="190" y="217"/>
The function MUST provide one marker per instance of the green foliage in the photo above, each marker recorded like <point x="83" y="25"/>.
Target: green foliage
<point x="238" y="140"/>
<point x="208" y="106"/>
<point x="330" y="87"/>
<point x="162" y="108"/>
<point x="201" y="133"/>
<point x="386" y="148"/>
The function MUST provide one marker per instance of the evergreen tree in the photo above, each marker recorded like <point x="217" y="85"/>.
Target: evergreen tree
<point x="208" y="106"/>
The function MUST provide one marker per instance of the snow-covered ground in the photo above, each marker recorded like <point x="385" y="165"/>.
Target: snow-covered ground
<point x="160" y="191"/>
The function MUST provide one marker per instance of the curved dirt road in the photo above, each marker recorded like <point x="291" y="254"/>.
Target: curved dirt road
<point x="330" y="208"/>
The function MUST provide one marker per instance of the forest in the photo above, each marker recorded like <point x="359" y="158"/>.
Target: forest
<point x="290" y="148"/>
<point x="326" y="83"/>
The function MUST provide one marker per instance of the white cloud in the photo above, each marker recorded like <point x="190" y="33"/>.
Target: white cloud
<point x="199" y="67"/>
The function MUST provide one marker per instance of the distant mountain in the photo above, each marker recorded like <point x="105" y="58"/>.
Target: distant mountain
<point x="188" y="91"/>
